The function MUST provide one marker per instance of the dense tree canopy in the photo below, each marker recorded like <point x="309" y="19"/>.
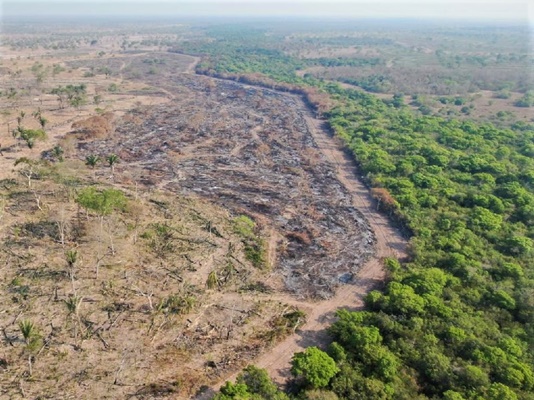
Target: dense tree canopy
<point x="465" y="194"/>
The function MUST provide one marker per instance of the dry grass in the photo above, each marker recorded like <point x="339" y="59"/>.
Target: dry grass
<point x="134" y="307"/>
<point x="162" y="298"/>
<point x="132" y="317"/>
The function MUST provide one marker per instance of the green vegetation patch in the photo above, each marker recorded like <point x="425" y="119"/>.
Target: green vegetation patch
<point x="254" y="245"/>
<point x="466" y="194"/>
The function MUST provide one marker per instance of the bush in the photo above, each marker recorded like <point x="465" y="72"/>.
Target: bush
<point x="315" y="366"/>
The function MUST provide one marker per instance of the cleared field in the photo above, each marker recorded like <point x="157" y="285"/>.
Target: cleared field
<point x="250" y="150"/>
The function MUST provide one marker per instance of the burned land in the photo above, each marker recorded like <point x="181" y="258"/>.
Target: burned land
<point x="235" y="225"/>
<point x="250" y="150"/>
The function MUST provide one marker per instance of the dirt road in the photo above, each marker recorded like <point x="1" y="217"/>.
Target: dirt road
<point x="390" y="243"/>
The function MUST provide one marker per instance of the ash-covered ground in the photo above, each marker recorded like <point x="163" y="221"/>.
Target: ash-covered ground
<point x="250" y="150"/>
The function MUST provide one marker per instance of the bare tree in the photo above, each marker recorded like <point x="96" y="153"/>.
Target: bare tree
<point x="60" y="218"/>
<point x="27" y="168"/>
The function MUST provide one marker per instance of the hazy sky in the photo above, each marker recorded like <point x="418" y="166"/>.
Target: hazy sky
<point x="472" y="9"/>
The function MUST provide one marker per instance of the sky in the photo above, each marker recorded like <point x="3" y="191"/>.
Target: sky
<point x="519" y="10"/>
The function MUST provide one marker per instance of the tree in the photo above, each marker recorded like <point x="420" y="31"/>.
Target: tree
<point x="31" y="135"/>
<point x="40" y="72"/>
<point x="502" y="299"/>
<point x="213" y="281"/>
<point x="350" y="384"/>
<point x="518" y="246"/>
<point x="28" y="168"/>
<point x="60" y="217"/>
<point x="452" y="395"/>
<point x="398" y="100"/>
<point x="258" y="382"/>
<point x="57" y="69"/>
<point x="32" y="339"/>
<point x="92" y="161"/>
<point x="71" y="256"/>
<point x="74" y="94"/>
<point x="382" y="362"/>
<point x="61" y="94"/>
<point x="483" y="220"/>
<point x="526" y="101"/>
<point x="73" y="304"/>
<point x="28" y="330"/>
<point x="498" y="391"/>
<point x="383" y="197"/>
<point x="58" y="152"/>
<point x="20" y="117"/>
<point x="252" y="383"/>
<point x="474" y="377"/>
<point x="112" y="159"/>
<point x="42" y="121"/>
<point x="230" y="390"/>
<point x="403" y="300"/>
<point x="315" y="366"/>
<point x="102" y="202"/>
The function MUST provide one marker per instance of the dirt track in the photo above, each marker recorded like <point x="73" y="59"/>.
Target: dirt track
<point x="390" y="243"/>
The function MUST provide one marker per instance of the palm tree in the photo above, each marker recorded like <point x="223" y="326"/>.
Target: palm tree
<point x="91" y="161"/>
<point x="20" y="118"/>
<point x="213" y="281"/>
<point x="29" y="332"/>
<point x="57" y="152"/>
<point x="72" y="257"/>
<point x="27" y="328"/>
<point x="42" y="121"/>
<point x="73" y="304"/>
<point x="112" y="159"/>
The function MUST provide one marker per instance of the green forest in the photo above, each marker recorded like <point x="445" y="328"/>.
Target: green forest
<point x="456" y="321"/>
